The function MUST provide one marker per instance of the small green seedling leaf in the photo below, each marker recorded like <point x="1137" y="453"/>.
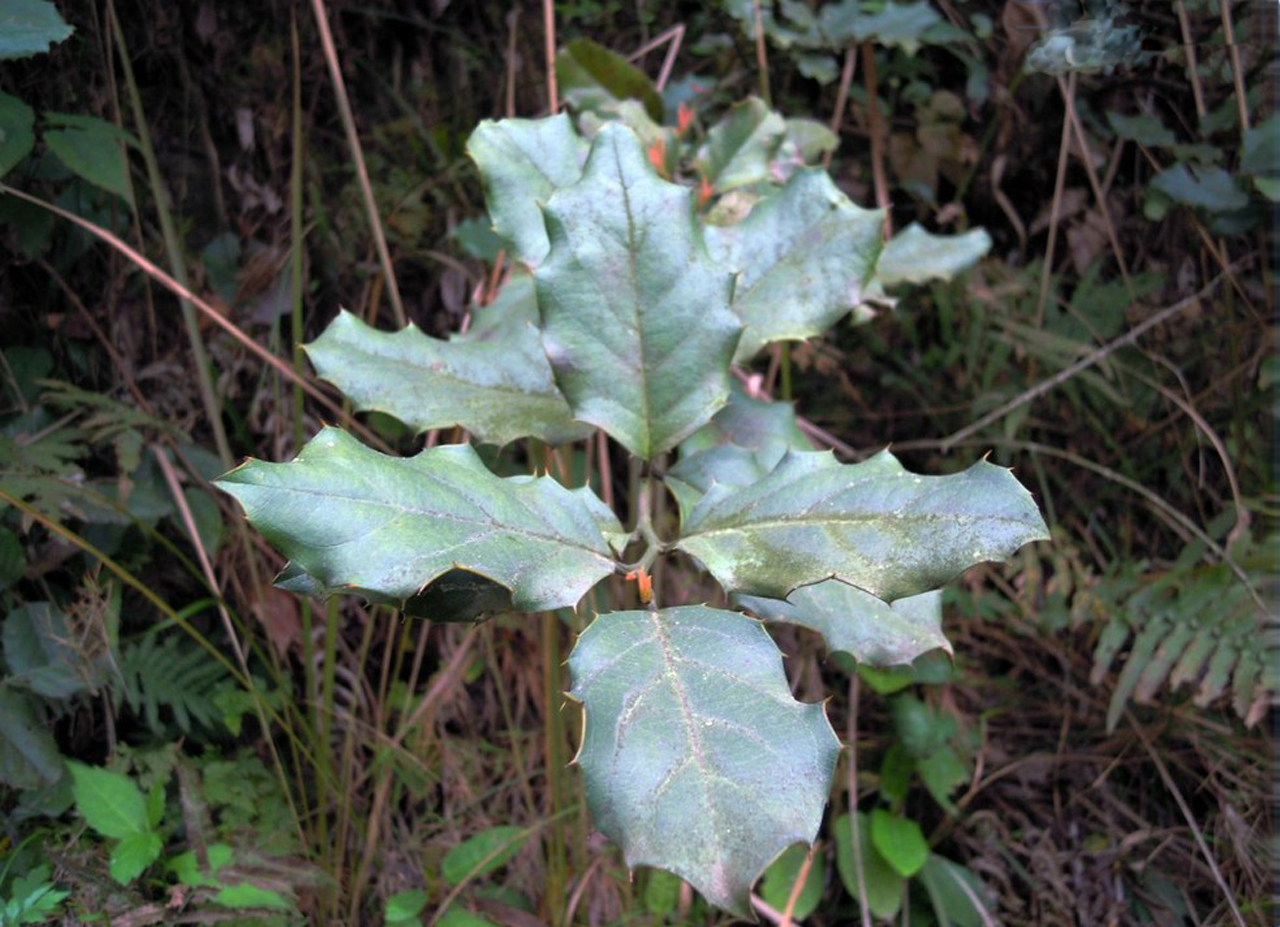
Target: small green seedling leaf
<point x="895" y="773"/>
<point x="479" y="855"/>
<point x="426" y="527"/>
<point x="780" y="879"/>
<point x="741" y="146"/>
<point x="635" y="315"/>
<point x="496" y="382"/>
<point x="803" y="257"/>
<point x="110" y="802"/>
<point x="872" y="524"/>
<point x="591" y="76"/>
<point x="882" y="882"/>
<point x="404" y="908"/>
<point x="899" y="841"/>
<point x="248" y="895"/>
<point x="857" y="623"/>
<point x="942" y="773"/>
<point x="29" y="27"/>
<point x="688" y="718"/>
<point x="133" y="854"/>
<point x="522" y="162"/>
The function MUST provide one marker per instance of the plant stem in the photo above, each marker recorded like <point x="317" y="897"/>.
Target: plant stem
<point x="554" y="738"/>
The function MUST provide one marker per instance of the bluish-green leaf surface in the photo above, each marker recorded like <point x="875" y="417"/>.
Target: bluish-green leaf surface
<point x="635" y="315"/>
<point x="522" y="162"/>
<point x="392" y="528"/>
<point x="741" y="145"/>
<point x="916" y="255"/>
<point x="857" y="623"/>
<point x="696" y="758"/>
<point x="29" y="27"/>
<point x="495" y="382"/>
<point x="804" y="256"/>
<point x="872" y="524"/>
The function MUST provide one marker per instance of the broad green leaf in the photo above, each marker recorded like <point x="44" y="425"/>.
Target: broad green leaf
<point x="899" y="841"/>
<point x="591" y="76"/>
<point x="740" y="146"/>
<point x="635" y="315"/>
<point x="895" y="773"/>
<point x="17" y="134"/>
<point x="248" y="895"/>
<point x="92" y="149"/>
<point x="1259" y="156"/>
<point x="942" y="773"/>
<point x="392" y="528"/>
<point x="460" y="917"/>
<point x="857" y="623"/>
<point x="522" y="162"/>
<point x="803" y="256"/>
<point x="883" y="884"/>
<point x="133" y="854"/>
<point x="404" y="907"/>
<point x="811" y="138"/>
<point x="956" y="893"/>
<point x="29" y="758"/>
<point x="918" y="256"/>
<point x="29" y="27"/>
<point x="38" y="652"/>
<point x="895" y="24"/>
<point x="483" y="853"/>
<point x="1208" y="188"/>
<point x="689" y="723"/>
<point x="780" y="879"/>
<point x="495" y="383"/>
<point x="110" y="802"/>
<point x="1142" y="128"/>
<point x="871" y="524"/>
<point x="922" y="729"/>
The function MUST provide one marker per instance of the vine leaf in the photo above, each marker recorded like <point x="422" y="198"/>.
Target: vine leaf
<point x="428" y="528"/>
<point x="522" y="162"/>
<point x="635" y="315"/>
<point x="872" y="524"/>
<point x="740" y="146"/>
<point x="857" y="623"/>
<point x="696" y="758"/>
<point x="495" y="381"/>
<point x="803" y="257"/>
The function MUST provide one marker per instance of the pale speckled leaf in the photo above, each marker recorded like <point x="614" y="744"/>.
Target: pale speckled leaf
<point x="915" y="255"/>
<point x="872" y="524"/>
<point x="394" y="529"/>
<point x="522" y="162"/>
<point x="804" y="257"/>
<point x="857" y="623"/>
<point x="635" y="315"/>
<point x="741" y="145"/>
<point x="494" y="381"/>
<point x="696" y="758"/>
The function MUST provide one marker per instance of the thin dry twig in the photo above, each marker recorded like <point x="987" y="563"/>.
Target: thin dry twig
<point x="673" y="38"/>
<point x="549" y="49"/>
<point x="842" y="99"/>
<point x="1055" y="206"/>
<point x="801" y="877"/>
<point x="357" y="156"/>
<point x="855" y="840"/>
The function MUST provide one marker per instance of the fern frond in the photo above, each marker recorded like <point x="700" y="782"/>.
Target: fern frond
<point x="168" y="674"/>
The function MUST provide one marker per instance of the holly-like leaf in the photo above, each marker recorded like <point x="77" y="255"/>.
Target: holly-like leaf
<point x="803" y="257"/>
<point x="592" y="76"/>
<point x="696" y="758"/>
<point x="761" y="425"/>
<point x="393" y="529"/>
<point x="873" y="524"/>
<point x="635" y="315"/>
<point x="915" y="255"/>
<point x="857" y="623"/>
<point x="496" y="383"/>
<point x="740" y="146"/>
<point x="29" y="27"/>
<point x="522" y="162"/>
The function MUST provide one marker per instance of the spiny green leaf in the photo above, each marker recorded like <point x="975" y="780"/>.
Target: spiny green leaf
<point x="857" y="623"/>
<point x="522" y="162"/>
<point x="592" y="76"/>
<point x="17" y="135"/>
<point x="635" y="315"/>
<point x="915" y="255"/>
<point x="803" y="257"/>
<point x="496" y="383"/>
<point x="872" y="524"/>
<point x="111" y="803"/>
<point x="29" y="27"/>
<point x="740" y="146"/>
<point x="900" y="841"/>
<point x="391" y="528"/>
<point x="689" y="723"/>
